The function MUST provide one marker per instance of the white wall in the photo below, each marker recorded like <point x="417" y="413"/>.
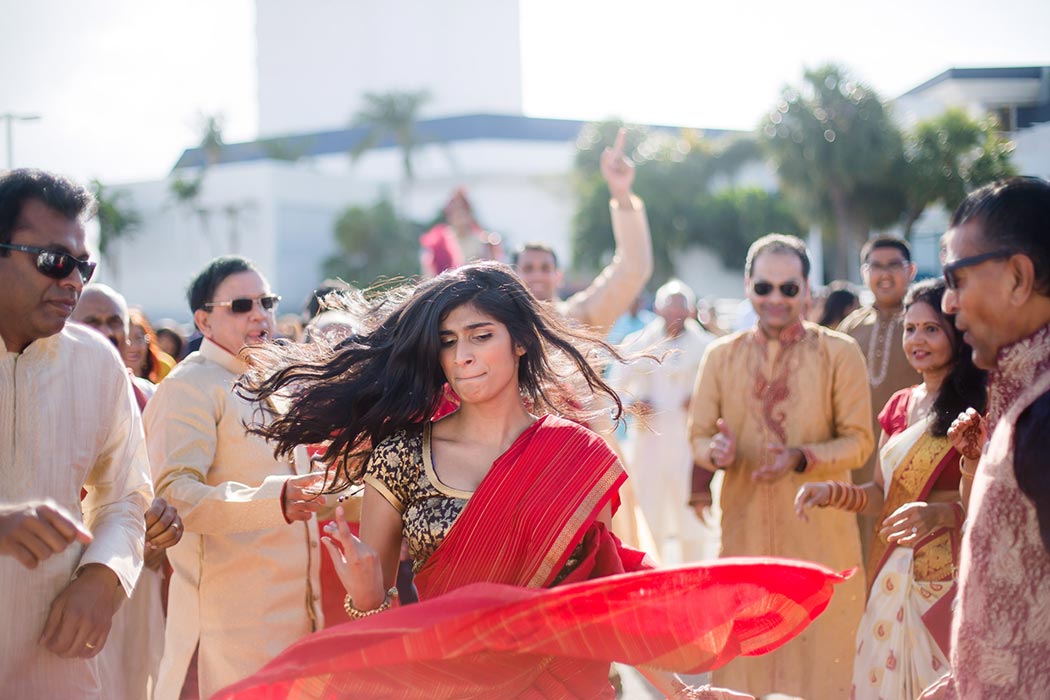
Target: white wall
<point x="317" y="57"/>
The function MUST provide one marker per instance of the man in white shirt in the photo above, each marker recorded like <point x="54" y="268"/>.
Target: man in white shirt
<point x="68" y="423"/>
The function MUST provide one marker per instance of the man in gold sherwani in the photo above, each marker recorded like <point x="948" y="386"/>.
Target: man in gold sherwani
<point x="68" y="423"/>
<point x="778" y="405"/>
<point x="246" y="579"/>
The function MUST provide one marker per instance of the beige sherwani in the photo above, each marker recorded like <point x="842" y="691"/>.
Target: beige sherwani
<point x="807" y="390"/>
<point x="245" y="583"/>
<point x="880" y="335"/>
<point x="68" y="420"/>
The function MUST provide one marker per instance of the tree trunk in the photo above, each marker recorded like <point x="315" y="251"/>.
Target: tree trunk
<point x="851" y="228"/>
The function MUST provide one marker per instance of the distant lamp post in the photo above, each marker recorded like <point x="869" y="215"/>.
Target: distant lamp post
<point x="8" y="118"/>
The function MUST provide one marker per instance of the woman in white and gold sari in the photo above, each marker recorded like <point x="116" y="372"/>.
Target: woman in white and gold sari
<point x="902" y="641"/>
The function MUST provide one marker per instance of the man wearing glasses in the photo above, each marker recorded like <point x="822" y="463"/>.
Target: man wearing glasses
<point x="775" y="406"/>
<point x="68" y="422"/>
<point x="246" y="573"/>
<point x="997" y="269"/>
<point x="887" y="270"/>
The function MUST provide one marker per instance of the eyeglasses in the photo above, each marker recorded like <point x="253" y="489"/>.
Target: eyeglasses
<point x="243" y="305"/>
<point x="897" y="266"/>
<point x="56" y="264"/>
<point x="950" y="278"/>
<point x="788" y="289"/>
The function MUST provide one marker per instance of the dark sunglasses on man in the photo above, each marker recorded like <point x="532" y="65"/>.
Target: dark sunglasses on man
<point x="243" y="305"/>
<point x="55" y="264"/>
<point x="950" y="279"/>
<point x="788" y="289"/>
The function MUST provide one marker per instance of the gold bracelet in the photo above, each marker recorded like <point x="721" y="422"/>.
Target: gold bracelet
<point x="355" y="614"/>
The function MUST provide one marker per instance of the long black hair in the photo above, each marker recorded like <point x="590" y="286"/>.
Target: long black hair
<point x="966" y="385"/>
<point x="387" y="378"/>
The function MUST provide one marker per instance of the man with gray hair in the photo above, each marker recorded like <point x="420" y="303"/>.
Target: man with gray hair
<point x="130" y="661"/>
<point x="658" y="449"/>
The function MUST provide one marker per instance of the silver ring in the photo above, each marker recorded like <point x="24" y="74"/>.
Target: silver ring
<point x="89" y="645"/>
<point x="915" y="530"/>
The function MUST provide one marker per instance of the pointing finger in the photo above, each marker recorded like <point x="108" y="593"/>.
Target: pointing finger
<point x="621" y="139"/>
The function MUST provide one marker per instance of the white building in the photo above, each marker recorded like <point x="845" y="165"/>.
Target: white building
<point x="1019" y="97"/>
<point x="313" y="69"/>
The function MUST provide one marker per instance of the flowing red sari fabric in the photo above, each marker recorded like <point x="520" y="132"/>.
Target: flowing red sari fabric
<point x="490" y="627"/>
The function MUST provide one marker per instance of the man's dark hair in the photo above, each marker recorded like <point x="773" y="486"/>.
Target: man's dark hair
<point x="541" y="247"/>
<point x="1014" y="215"/>
<point x="885" y="242"/>
<point x="313" y="303"/>
<point x="778" y="243"/>
<point x="202" y="289"/>
<point x="54" y="191"/>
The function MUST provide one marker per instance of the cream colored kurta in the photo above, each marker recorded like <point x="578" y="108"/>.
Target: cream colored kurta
<point x="245" y="583"/>
<point x="660" y="460"/>
<point x="68" y="420"/>
<point x="880" y="335"/>
<point x="808" y="390"/>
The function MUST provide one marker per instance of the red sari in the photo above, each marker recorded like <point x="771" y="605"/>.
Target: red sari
<point x="490" y="626"/>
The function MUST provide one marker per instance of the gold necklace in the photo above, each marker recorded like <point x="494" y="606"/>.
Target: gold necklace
<point x="877" y="373"/>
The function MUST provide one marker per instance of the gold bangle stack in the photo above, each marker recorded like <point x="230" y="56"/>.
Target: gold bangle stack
<point x="967" y="473"/>
<point x="355" y="614"/>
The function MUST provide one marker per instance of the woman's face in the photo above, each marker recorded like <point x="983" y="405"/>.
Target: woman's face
<point x="478" y="356"/>
<point x="926" y="341"/>
<point x="135" y="350"/>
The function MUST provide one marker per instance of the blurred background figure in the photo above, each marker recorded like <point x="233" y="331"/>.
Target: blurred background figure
<point x="458" y="239"/>
<point x="170" y="339"/>
<point x="659" y="456"/>
<point x="840" y="299"/>
<point x="144" y="356"/>
<point x="290" y="326"/>
<point x="631" y="321"/>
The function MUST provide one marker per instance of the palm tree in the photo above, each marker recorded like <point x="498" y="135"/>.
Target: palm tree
<point x="949" y="156"/>
<point x="838" y="157"/>
<point x="116" y="221"/>
<point x="391" y="115"/>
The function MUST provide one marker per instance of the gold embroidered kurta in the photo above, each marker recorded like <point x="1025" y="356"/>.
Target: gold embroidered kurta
<point x="808" y="390"/>
<point x="245" y="583"/>
<point x="68" y="420"/>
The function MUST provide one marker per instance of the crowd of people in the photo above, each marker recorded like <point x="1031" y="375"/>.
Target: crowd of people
<point x="421" y="492"/>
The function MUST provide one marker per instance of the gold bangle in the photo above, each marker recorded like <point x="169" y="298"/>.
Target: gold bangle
<point x="963" y="471"/>
<point x="355" y="614"/>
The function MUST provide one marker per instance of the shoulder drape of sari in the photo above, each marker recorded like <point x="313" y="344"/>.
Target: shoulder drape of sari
<point x="489" y="626"/>
<point x="530" y="511"/>
<point x="918" y="460"/>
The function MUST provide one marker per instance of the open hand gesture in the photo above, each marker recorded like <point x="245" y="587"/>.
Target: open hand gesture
<point x="723" y="445"/>
<point x="357" y="565"/>
<point x="813" y="494"/>
<point x="618" y="170"/>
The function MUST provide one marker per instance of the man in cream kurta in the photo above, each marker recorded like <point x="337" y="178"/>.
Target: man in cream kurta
<point x="778" y="405"/>
<point x="68" y="422"/>
<point x="246" y="580"/>
<point x="659" y="455"/>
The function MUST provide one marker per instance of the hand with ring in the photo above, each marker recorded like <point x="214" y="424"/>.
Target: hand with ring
<point x="968" y="433"/>
<point x="722" y="448"/>
<point x="912" y="522"/>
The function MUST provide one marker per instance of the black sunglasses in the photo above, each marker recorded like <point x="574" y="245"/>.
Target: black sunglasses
<point x="55" y="264"/>
<point x="952" y="282"/>
<point x="788" y="289"/>
<point x="243" y="305"/>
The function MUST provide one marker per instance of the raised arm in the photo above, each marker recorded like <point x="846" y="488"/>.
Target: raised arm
<point x="613" y="290"/>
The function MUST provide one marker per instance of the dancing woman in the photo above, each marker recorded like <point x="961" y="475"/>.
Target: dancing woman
<point x="504" y="490"/>
<point x="902" y="641"/>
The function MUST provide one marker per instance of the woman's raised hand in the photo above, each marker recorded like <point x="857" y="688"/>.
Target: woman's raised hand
<point x="968" y="433"/>
<point x="617" y="169"/>
<point x="815" y="494"/>
<point x="357" y="565"/>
